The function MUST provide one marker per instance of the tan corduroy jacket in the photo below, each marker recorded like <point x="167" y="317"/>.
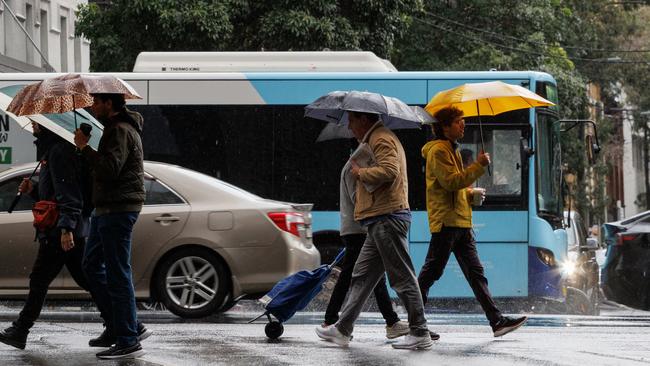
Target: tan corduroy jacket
<point x="389" y="173"/>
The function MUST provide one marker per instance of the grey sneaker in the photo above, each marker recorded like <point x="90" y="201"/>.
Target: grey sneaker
<point x="331" y="334"/>
<point x="401" y="328"/>
<point x="413" y="342"/>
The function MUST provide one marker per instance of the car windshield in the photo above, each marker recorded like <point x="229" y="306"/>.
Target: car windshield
<point x="636" y="218"/>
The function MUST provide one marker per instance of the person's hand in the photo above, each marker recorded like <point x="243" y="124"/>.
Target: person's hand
<point x="355" y="168"/>
<point x="26" y="186"/>
<point x="67" y="241"/>
<point x="80" y="139"/>
<point x="483" y="158"/>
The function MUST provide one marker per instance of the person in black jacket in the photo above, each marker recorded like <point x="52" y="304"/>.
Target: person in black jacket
<point x="59" y="180"/>
<point x="118" y="195"/>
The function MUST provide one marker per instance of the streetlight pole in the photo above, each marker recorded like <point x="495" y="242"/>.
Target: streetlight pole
<point x="646" y="160"/>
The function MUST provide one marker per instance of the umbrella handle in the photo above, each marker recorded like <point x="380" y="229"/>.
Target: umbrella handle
<point x="19" y="195"/>
<point x="14" y="203"/>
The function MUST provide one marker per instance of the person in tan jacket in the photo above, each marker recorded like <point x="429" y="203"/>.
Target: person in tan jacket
<point x="385" y="213"/>
<point x="450" y="215"/>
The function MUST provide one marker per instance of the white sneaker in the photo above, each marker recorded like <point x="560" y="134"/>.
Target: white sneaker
<point x="412" y="342"/>
<point x="331" y="334"/>
<point x="401" y="328"/>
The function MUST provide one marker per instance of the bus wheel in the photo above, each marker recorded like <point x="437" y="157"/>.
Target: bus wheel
<point x="328" y="243"/>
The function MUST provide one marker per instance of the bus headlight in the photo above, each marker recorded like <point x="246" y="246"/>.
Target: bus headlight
<point x="546" y="256"/>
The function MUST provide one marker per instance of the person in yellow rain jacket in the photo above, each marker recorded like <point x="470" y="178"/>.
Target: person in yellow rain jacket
<point x="450" y="215"/>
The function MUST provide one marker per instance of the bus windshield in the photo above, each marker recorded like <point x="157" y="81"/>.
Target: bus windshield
<point x="549" y="170"/>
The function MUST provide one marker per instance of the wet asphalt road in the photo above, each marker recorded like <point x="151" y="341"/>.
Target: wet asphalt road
<point x="619" y="337"/>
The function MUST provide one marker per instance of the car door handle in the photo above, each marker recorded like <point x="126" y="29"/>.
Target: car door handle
<point x="166" y="218"/>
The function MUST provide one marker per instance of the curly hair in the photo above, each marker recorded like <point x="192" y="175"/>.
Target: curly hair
<point x="444" y="118"/>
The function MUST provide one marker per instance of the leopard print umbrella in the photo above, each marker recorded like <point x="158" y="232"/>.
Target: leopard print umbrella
<point x="67" y="92"/>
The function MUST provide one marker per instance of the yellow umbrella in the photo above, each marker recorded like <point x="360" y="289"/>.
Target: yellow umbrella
<point x="486" y="99"/>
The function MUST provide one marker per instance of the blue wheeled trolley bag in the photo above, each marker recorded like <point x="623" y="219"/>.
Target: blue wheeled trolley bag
<point x="293" y="294"/>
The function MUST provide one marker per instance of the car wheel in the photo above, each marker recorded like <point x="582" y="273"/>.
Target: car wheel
<point x="192" y="283"/>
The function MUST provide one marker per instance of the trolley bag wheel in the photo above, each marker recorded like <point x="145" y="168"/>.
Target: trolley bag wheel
<point x="274" y="329"/>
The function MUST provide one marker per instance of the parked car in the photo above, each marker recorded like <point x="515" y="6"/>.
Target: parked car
<point x="626" y="273"/>
<point x="199" y="245"/>
<point x="580" y="270"/>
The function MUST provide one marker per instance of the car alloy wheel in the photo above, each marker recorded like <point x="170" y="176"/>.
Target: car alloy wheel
<point x="192" y="283"/>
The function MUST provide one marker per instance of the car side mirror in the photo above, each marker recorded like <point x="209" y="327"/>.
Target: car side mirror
<point x="592" y="244"/>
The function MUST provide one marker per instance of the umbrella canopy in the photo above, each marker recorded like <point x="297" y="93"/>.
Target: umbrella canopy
<point x="486" y="99"/>
<point x="334" y="107"/>
<point x="66" y="93"/>
<point x="395" y="114"/>
<point x="61" y="124"/>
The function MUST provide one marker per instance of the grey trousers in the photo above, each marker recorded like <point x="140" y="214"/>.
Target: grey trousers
<point x="384" y="251"/>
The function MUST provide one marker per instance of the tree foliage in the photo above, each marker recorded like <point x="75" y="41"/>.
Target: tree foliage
<point x="124" y="28"/>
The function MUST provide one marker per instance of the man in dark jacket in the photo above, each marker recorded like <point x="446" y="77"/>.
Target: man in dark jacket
<point x="118" y="196"/>
<point x="60" y="181"/>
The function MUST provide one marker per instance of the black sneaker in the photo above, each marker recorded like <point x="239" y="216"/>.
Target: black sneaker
<point x="143" y="332"/>
<point x="116" y="352"/>
<point x="507" y="325"/>
<point x="107" y="338"/>
<point x="434" y="336"/>
<point x="14" y="337"/>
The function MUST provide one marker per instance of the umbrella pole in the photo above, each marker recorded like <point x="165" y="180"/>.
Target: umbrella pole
<point x="480" y="128"/>
<point x="74" y="112"/>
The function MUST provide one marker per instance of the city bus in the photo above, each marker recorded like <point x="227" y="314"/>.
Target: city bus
<point x="247" y="128"/>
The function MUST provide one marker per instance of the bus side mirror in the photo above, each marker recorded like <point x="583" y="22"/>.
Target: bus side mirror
<point x="591" y="138"/>
<point x="593" y="148"/>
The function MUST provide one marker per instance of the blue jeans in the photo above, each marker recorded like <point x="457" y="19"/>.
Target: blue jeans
<point x="107" y="265"/>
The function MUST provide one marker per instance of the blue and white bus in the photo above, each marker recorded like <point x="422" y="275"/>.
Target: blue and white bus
<point x="247" y="128"/>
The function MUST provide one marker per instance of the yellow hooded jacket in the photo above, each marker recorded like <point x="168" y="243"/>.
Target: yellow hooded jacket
<point x="448" y="195"/>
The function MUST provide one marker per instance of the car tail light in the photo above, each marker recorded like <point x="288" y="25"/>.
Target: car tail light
<point x="622" y="238"/>
<point x="291" y="222"/>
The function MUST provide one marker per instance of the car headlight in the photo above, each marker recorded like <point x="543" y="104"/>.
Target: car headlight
<point x="568" y="267"/>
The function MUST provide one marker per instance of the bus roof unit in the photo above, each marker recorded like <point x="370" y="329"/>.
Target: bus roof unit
<point x="319" y="61"/>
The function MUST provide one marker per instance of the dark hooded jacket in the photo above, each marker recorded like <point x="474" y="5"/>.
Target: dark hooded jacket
<point x="117" y="167"/>
<point x="60" y="180"/>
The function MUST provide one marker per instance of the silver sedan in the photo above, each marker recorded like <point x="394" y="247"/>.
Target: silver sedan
<point x="199" y="245"/>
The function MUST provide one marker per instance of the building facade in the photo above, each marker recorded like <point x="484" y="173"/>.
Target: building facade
<point x="50" y="24"/>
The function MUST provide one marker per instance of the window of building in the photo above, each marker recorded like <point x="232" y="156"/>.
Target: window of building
<point x="63" y="36"/>
<point x="44" y="31"/>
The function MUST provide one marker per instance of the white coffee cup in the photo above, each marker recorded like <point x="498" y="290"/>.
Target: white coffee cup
<point x="478" y="196"/>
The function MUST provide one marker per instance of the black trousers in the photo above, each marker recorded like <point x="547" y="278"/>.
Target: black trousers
<point x="49" y="262"/>
<point x="353" y="244"/>
<point x="461" y="242"/>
